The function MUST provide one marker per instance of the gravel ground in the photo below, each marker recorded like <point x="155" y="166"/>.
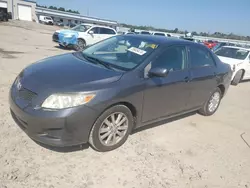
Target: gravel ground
<point x="194" y="151"/>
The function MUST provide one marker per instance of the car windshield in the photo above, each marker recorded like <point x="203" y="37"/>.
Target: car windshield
<point x="81" y="28"/>
<point x="48" y="18"/>
<point x="122" y="52"/>
<point x="159" y="34"/>
<point x="232" y="53"/>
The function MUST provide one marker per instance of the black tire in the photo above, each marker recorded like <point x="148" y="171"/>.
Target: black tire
<point x="81" y="44"/>
<point x="237" y="78"/>
<point x="5" y="19"/>
<point x="205" y="108"/>
<point x="94" y="139"/>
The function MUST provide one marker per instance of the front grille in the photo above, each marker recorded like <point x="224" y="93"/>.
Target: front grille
<point x="26" y="94"/>
<point x="55" y="37"/>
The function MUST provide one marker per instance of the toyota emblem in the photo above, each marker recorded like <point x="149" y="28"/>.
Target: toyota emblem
<point x="19" y="85"/>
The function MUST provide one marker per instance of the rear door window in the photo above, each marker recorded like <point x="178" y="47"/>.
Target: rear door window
<point x="200" y="57"/>
<point x="106" y="31"/>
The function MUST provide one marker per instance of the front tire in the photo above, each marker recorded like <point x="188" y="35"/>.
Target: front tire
<point x="81" y="44"/>
<point x="213" y="103"/>
<point x="111" y="129"/>
<point x="237" y="78"/>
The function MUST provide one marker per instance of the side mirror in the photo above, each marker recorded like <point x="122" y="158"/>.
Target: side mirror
<point x="91" y="32"/>
<point x="158" y="72"/>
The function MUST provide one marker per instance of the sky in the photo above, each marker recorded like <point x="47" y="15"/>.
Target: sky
<point x="193" y="15"/>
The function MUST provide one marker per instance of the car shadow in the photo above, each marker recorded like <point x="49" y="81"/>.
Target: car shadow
<point x="63" y="48"/>
<point x="68" y="149"/>
<point x="156" y="124"/>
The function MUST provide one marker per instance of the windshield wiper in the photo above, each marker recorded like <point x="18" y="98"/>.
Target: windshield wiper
<point x="97" y="61"/>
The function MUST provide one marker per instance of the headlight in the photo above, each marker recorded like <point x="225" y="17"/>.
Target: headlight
<point x="61" y="100"/>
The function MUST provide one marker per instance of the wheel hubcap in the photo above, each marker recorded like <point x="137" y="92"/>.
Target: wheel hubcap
<point x="113" y="129"/>
<point x="214" y="102"/>
<point x="81" y="44"/>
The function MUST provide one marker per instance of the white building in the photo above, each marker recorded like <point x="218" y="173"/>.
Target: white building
<point x="20" y="9"/>
<point x="67" y="17"/>
<point x="28" y="11"/>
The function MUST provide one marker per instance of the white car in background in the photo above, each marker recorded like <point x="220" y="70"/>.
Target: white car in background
<point x="239" y="60"/>
<point x="83" y="35"/>
<point x="46" y="20"/>
<point x="161" y="34"/>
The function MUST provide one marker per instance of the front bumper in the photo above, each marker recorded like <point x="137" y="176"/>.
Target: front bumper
<point x="59" y="128"/>
<point x="63" y="40"/>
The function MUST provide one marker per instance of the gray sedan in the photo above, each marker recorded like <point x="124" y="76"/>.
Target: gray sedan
<point x="101" y="94"/>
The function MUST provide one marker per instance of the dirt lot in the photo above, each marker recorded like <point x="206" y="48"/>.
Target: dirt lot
<point x="196" y="151"/>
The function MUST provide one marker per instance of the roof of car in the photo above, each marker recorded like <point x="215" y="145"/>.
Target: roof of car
<point x="236" y="47"/>
<point x="97" y="25"/>
<point x="162" y="39"/>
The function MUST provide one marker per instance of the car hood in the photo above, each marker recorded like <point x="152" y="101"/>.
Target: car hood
<point x="67" y="31"/>
<point x="66" y="73"/>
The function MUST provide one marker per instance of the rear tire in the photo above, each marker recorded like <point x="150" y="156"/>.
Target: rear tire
<point x="237" y="78"/>
<point x="212" y="104"/>
<point x="104" y="128"/>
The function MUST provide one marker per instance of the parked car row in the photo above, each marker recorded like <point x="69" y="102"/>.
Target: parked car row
<point x="101" y="94"/>
<point x="148" y="33"/>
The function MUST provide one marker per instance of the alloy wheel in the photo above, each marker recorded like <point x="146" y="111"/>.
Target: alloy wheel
<point x="113" y="129"/>
<point x="214" y="102"/>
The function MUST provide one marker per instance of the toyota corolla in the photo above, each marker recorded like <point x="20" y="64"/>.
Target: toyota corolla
<point x="99" y="95"/>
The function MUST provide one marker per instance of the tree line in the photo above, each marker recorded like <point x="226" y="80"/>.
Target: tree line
<point x="194" y="33"/>
<point x="60" y="8"/>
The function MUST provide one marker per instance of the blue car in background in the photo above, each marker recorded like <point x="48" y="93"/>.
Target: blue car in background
<point x="82" y="35"/>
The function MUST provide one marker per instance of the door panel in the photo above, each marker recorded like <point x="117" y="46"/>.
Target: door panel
<point x="165" y="96"/>
<point x="202" y="83"/>
<point x="203" y="79"/>
<point x="93" y="38"/>
<point x="168" y="95"/>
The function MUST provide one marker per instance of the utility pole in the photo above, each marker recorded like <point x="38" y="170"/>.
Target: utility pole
<point x="12" y="9"/>
<point x="88" y="12"/>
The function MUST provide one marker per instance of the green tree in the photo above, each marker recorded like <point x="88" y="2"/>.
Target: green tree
<point x="194" y="33"/>
<point x="61" y="9"/>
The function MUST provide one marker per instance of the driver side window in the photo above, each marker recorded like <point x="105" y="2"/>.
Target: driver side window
<point x="95" y="30"/>
<point x="173" y="59"/>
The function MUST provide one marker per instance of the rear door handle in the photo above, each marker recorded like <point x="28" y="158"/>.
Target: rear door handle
<point x="186" y="79"/>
